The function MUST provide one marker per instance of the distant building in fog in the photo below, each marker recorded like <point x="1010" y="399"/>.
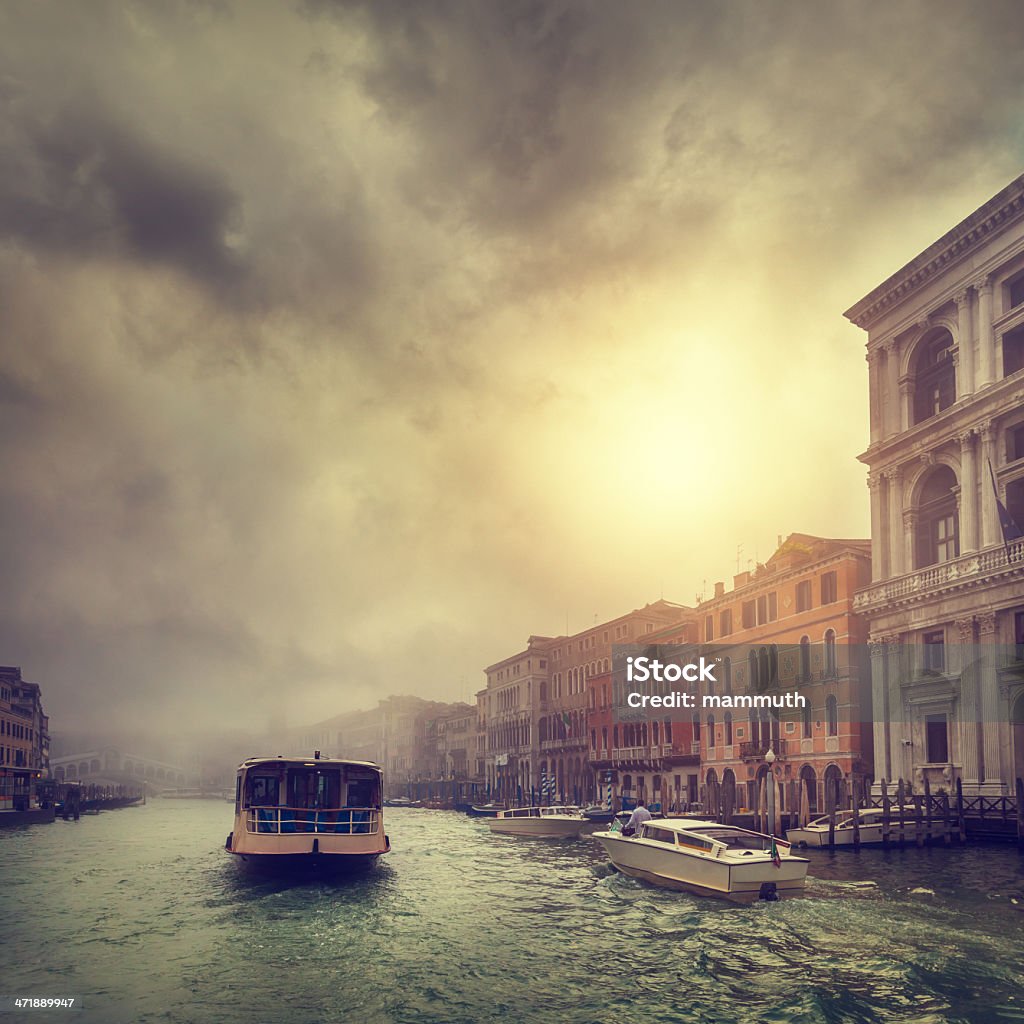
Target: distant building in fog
<point x="24" y="739"/>
<point x="945" y="354"/>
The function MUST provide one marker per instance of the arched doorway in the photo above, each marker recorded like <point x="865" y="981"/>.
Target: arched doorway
<point x="833" y="788"/>
<point x="728" y="794"/>
<point x="809" y="782"/>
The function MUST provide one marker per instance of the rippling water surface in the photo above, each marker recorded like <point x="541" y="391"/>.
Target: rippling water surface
<point x="142" y="914"/>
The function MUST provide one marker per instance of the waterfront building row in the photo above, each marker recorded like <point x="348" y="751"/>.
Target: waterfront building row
<point x="908" y="647"/>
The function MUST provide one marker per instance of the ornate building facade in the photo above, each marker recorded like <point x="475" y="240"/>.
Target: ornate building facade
<point x="945" y="352"/>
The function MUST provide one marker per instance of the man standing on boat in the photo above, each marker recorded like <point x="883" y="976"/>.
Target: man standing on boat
<point x="636" y="819"/>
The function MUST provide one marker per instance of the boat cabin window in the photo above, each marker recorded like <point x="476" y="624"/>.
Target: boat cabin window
<point x="314" y="787"/>
<point x="736" y="840"/>
<point x="262" y="790"/>
<point x="662" y="835"/>
<point x="694" y="842"/>
<point x="305" y="788"/>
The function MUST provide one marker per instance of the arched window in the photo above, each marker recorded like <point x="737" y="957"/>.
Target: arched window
<point x="832" y="715"/>
<point x="711" y="732"/>
<point x="830" y="654"/>
<point x="727" y="675"/>
<point x="938" y="525"/>
<point x="696" y="729"/>
<point x="654" y="731"/>
<point x="764" y="669"/>
<point x="728" y="729"/>
<point x="668" y="732"/>
<point x="752" y="665"/>
<point x="805" y="659"/>
<point x="807" y="720"/>
<point x="615" y="736"/>
<point x="934" y="375"/>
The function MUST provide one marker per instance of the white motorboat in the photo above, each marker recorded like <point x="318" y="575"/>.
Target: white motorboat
<point x="323" y="814"/>
<point x="708" y="858"/>
<point x="815" y="833"/>
<point x="546" y="822"/>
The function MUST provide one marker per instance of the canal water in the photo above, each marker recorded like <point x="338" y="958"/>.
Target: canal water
<point x="142" y="915"/>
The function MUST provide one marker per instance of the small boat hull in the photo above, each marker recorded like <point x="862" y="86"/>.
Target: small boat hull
<point x="543" y="828"/>
<point x="483" y="811"/>
<point x="705" y="876"/>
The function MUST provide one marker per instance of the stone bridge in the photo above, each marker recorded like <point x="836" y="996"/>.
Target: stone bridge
<point x="123" y="769"/>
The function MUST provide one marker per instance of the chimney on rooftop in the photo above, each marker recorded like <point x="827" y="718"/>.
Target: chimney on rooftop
<point x="719" y="589"/>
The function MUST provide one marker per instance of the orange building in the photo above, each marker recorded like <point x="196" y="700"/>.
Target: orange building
<point x="580" y="664"/>
<point x="635" y="755"/>
<point x="789" y="627"/>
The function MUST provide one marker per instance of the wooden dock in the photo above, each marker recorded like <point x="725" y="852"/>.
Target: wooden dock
<point x="908" y="819"/>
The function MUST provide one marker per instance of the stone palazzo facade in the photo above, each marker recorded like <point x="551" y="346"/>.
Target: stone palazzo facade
<point x="945" y="607"/>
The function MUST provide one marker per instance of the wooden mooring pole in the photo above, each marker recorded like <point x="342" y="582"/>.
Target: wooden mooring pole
<point x="855" y="801"/>
<point x="960" y="811"/>
<point x="900" y="798"/>
<point x="927" y="809"/>
<point x="885" y="814"/>
<point x="1020" y="814"/>
<point x="831" y="795"/>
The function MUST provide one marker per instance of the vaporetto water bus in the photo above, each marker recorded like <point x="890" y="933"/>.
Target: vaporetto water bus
<point x="543" y="822"/>
<point x="708" y="859"/>
<point x="322" y="814"/>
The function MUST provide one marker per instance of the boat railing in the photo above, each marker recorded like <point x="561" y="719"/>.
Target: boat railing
<point x="294" y="820"/>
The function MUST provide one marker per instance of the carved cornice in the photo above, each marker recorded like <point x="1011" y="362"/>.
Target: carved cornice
<point x="968" y="236"/>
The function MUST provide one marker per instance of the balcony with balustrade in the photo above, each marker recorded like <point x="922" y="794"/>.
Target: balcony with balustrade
<point x="934" y="580"/>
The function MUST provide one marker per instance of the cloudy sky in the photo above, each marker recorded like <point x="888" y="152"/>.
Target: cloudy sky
<point x="343" y="346"/>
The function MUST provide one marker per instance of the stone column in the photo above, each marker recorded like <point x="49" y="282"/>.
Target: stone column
<point x="909" y="536"/>
<point x="906" y="386"/>
<point x="990" y="532"/>
<point x="880" y="711"/>
<point x="988" y="699"/>
<point x="900" y="761"/>
<point x="896" y="542"/>
<point x="986" y="338"/>
<point x="893" y="418"/>
<point x="968" y="494"/>
<point x="877" y="540"/>
<point x="970" y="729"/>
<point x="965" y="344"/>
<point x="874" y="398"/>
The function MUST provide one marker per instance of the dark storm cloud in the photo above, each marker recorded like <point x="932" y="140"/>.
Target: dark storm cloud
<point x="80" y="184"/>
<point x="313" y="316"/>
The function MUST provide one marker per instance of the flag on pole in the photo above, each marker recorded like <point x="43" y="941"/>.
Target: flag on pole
<point x="1007" y="524"/>
<point x="774" y="851"/>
